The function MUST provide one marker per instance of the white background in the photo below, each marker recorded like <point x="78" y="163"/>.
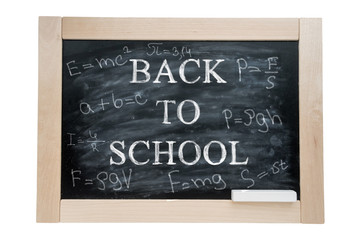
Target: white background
<point x="18" y="116"/>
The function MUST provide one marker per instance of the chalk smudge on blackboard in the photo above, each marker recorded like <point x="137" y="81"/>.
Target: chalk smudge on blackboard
<point x="260" y="94"/>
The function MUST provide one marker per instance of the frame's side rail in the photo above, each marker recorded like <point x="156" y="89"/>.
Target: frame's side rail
<point x="177" y="211"/>
<point x="311" y="121"/>
<point x="49" y="120"/>
<point x="225" y="29"/>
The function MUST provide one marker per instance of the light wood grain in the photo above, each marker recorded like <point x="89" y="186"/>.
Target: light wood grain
<point x="177" y="211"/>
<point x="226" y="29"/>
<point x="53" y="29"/>
<point x="311" y="121"/>
<point x="49" y="120"/>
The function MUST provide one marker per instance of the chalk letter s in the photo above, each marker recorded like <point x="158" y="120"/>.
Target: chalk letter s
<point x="117" y="152"/>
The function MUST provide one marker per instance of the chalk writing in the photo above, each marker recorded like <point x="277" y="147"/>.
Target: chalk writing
<point x="263" y="120"/>
<point x="91" y="140"/>
<point x="277" y="168"/>
<point x="270" y="73"/>
<point x="104" y="180"/>
<point x="158" y="49"/>
<point x="175" y="119"/>
<point x="119" y="158"/>
<point x="215" y="181"/>
<point x="75" y="68"/>
<point x="85" y="108"/>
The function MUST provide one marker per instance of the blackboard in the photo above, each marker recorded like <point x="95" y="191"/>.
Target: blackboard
<point x="229" y="110"/>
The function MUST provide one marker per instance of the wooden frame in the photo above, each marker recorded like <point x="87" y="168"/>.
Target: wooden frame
<point x="50" y="207"/>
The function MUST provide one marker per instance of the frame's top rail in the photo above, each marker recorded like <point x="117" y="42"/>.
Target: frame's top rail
<point x="224" y="29"/>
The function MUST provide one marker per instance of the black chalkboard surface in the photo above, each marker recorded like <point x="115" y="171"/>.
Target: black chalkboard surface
<point x="178" y="120"/>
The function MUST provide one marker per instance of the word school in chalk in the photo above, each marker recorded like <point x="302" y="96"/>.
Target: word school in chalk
<point x="121" y="157"/>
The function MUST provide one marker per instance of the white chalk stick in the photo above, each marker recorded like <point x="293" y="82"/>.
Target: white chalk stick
<point x="263" y="195"/>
